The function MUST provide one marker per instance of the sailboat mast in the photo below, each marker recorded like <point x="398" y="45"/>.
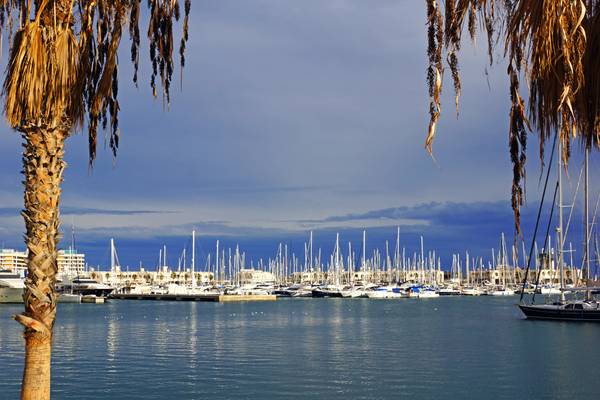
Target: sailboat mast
<point x="397" y="255"/>
<point x="503" y="261"/>
<point x="422" y="277"/>
<point x="310" y="263"/>
<point x="337" y="259"/>
<point x="217" y="265"/>
<point x="350" y="263"/>
<point x="364" y="250"/>
<point x="112" y="255"/>
<point x="586" y="276"/>
<point x="193" y="258"/>
<point x="560" y="218"/>
<point x="387" y="260"/>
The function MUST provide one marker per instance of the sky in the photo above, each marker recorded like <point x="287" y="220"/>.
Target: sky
<point x="294" y="116"/>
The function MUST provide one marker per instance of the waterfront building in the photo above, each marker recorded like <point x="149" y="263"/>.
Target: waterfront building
<point x="256" y="276"/>
<point x="547" y="276"/>
<point x="423" y="276"/>
<point x="363" y="276"/>
<point x="13" y="260"/>
<point x="308" y="277"/>
<point x="118" y="277"/>
<point x="70" y="262"/>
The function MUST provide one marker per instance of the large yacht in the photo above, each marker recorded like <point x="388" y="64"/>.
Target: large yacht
<point x="11" y="287"/>
<point x="327" y="291"/>
<point x="84" y="287"/>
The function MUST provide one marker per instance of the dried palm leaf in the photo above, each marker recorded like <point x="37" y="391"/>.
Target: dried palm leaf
<point x="553" y="44"/>
<point x="63" y="65"/>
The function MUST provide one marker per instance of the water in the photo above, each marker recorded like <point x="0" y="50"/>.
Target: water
<point x="475" y="348"/>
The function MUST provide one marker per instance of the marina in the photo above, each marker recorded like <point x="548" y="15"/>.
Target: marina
<point x="375" y="276"/>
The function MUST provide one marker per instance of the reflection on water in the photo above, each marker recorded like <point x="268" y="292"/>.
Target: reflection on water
<point x="321" y="348"/>
<point x="112" y="338"/>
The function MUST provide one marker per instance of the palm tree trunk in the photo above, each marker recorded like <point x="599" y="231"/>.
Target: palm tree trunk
<point x="43" y="167"/>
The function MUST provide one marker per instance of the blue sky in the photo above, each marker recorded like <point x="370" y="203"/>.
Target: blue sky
<point x="294" y="116"/>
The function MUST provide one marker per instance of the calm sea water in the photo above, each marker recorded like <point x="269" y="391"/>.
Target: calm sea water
<point x="471" y="348"/>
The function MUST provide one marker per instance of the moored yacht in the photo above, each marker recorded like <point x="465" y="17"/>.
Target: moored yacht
<point x="449" y="291"/>
<point x="303" y="291"/>
<point x="548" y="289"/>
<point x="85" y="287"/>
<point x="577" y="310"/>
<point x="422" y="292"/>
<point x="11" y="287"/>
<point x="428" y="293"/>
<point x="501" y="291"/>
<point x="471" y="291"/>
<point x="248" y="290"/>
<point x="327" y="291"/>
<point x="386" y="292"/>
<point x="354" y="292"/>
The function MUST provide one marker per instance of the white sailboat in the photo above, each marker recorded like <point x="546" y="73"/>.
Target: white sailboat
<point x="503" y="289"/>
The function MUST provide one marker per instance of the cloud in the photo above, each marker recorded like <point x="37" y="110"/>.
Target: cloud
<point x="12" y="211"/>
<point x="99" y="211"/>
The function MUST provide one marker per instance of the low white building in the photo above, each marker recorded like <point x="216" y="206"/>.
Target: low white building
<point x="256" y="276"/>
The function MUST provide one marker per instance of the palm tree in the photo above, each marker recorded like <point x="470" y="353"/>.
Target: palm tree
<point x="553" y="44"/>
<point x="63" y="74"/>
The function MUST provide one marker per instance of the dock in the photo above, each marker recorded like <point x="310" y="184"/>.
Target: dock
<point x="92" y="299"/>
<point x="215" y="298"/>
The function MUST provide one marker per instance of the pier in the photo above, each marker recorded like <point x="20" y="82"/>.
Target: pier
<point x="215" y="298"/>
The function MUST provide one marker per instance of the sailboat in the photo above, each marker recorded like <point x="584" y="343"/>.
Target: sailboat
<point x="503" y="289"/>
<point x="334" y="289"/>
<point x="587" y="309"/>
<point x="193" y="288"/>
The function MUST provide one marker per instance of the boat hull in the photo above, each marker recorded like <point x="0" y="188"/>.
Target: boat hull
<point x="428" y="295"/>
<point x="449" y="292"/>
<point x="302" y="293"/>
<point x="11" y="295"/>
<point x="318" y="293"/>
<point x="502" y="293"/>
<point x="558" y="314"/>
<point x="93" y="292"/>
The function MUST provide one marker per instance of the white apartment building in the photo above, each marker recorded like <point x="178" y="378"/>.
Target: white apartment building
<point x="70" y="262"/>
<point x="255" y="276"/>
<point x="13" y="260"/>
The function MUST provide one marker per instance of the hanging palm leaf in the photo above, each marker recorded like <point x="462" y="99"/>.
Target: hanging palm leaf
<point x="553" y="44"/>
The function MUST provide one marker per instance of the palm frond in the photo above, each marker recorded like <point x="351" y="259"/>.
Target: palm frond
<point x="63" y="64"/>
<point x="553" y="44"/>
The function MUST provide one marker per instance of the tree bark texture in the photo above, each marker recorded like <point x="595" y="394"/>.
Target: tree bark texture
<point x="43" y="167"/>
